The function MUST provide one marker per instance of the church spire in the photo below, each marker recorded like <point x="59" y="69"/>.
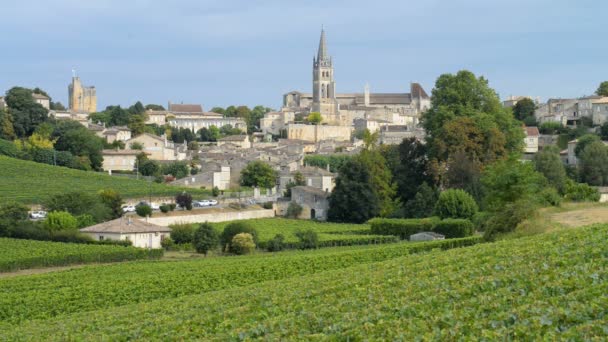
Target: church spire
<point x="322" y="53"/>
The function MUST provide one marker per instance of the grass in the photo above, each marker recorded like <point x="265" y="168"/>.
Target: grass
<point x="31" y="183"/>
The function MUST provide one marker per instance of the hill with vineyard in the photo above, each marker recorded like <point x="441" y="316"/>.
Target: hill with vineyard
<point x="548" y="286"/>
<point x="29" y="182"/>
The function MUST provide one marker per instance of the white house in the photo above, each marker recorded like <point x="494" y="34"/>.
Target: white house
<point x="531" y="139"/>
<point x="140" y="233"/>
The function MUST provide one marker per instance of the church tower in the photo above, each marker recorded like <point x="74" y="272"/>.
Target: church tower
<point x="323" y="85"/>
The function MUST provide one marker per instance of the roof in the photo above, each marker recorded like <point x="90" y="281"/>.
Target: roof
<point x="125" y="225"/>
<point x="385" y="98"/>
<point x="241" y="137"/>
<point x="532" y="131"/>
<point x="122" y="152"/>
<point x="185" y="108"/>
<point x="418" y="91"/>
<point x="322" y="53"/>
<point x="312" y="190"/>
<point x="116" y="129"/>
<point x="39" y="96"/>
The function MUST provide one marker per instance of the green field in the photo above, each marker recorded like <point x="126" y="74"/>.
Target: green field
<point x="544" y="287"/>
<point x="18" y="254"/>
<point x="330" y="234"/>
<point x="29" y="182"/>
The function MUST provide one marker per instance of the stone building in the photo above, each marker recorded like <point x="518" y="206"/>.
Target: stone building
<point x="313" y="176"/>
<point x="316" y="133"/>
<point x="239" y="141"/>
<point x="42" y="100"/>
<point x="81" y="98"/>
<point x="119" y="160"/>
<point x="159" y="148"/>
<point x="117" y="133"/>
<point x="531" y="139"/>
<point x="141" y="234"/>
<point x="196" y="123"/>
<point x="314" y="202"/>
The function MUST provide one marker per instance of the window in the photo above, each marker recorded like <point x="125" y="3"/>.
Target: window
<point x="101" y="238"/>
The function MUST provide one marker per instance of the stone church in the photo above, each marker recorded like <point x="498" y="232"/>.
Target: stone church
<point x="343" y="108"/>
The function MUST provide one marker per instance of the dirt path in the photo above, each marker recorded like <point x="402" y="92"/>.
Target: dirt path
<point x="32" y="271"/>
<point x="582" y="217"/>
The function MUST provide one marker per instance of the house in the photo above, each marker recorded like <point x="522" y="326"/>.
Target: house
<point x="158" y="117"/>
<point x="313" y="176"/>
<point x="180" y="108"/>
<point x="42" y="100"/>
<point x="141" y="234"/>
<point x="240" y="141"/>
<point x="600" y="111"/>
<point x="316" y="133"/>
<point x="158" y="148"/>
<point x="531" y="139"/>
<point x="117" y="133"/>
<point x="314" y="202"/>
<point x="426" y="236"/>
<point x="210" y="178"/>
<point x="119" y="160"/>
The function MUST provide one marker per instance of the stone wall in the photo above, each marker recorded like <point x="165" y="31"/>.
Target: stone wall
<point x="221" y="216"/>
<point x="316" y="133"/>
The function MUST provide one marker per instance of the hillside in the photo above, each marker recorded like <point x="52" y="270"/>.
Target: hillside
<point x="544" y="287"/>
<point x="30" y="182"/>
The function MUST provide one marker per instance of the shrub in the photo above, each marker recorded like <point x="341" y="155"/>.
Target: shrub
<point x="454" y="228"/>
<point x="277" y="243"/>
<point x="167" y="244"/>
<point x="205" y="238"/>
<point x="143" y="210"/>
<point x="60" y="220"/>
<point x="184" y="200"/>
<point x="480" y="220"/>
<point x="267" y="205"/>
<point x="309" y="239"/>
<point x="508" y="218"/>
<point x="235" y="228"/>
<point x="85" y="220"/>
<point x="579" y="192"/>
<point x="182" y="233"/>
<point x="293" y="210"/>
<point x="73" y="236"/>
<point x="242" y="243"/>
<point x="112" y="200"/>
<point x="455" y="203"/>
<point x="549" y="196"/>
<point x="172" y="206"/>
<point x="14" y="212"/>
<point x="164" y="208"/>
<point x="215" y="191"/>
<point x="402" y="228"/>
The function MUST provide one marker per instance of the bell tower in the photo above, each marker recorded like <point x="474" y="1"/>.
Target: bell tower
<point x="323" y="85"/>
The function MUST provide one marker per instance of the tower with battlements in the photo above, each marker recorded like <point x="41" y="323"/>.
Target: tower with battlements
<point x="81" y="99"/>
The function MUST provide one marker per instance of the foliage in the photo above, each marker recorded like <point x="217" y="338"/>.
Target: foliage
<point x="181" y="135"/>
<point x="524" y="109"/>
<point x="507" y="219"/>
<point x="548" y="162"/>
<point x="580" y="192"/>
<point x="314" y="118"/>
<point x="13" y="212"/>
<point x="25" y="113"/>
<point x="242" y="243"/>
<point x="149" y="167"/>
<point x="76" y="139"/>
<point x="215" y="191"/>
<point x="60" y="220"/>
<point x="454" y="228"/>
<point x="550" y="127"/>
<point x="455" y="203"/>
<point x="8" y="148"/>
<point x="205" y="238"/>
<point x="293" y="210"/>
<point x="177" y="169"/>
<point x="604" y="131"/>
<point x="79" y="203"/>
<point x="112" y="199"/>
<point x="182" y="233"/>
<point x="402" y="228"/>
<point x="23" y="254"/>
<point x="258" y="174"/>
<point x="583" y="142"/>
<point x="602" y="89"/>
<point x="234" y="228"/>
<point x="410" y="168"/>
<point x="143" y="210"/>
<point x="298" y="180"/>
<point x="268" y="205"/>
<point x="84" y="220"/>
<point x="309" y="239"/>
<point x="164" y="208"/>
<point x="277" y="243"/>
<point x="209" y="134"/>
<point x="550" y="196"/>
<point x="381" y="178"/>
<point x="335" y="161"/>
<point x="593" y="166"/>
<point x="184" y="200"/>
<point x="353" y="198"/>
<point x="7" y="131"/>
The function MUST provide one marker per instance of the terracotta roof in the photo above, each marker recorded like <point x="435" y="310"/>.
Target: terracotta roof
<point x="125" y="225"/>
<point x="186" y="108"/>
<point x="532" y="131"/>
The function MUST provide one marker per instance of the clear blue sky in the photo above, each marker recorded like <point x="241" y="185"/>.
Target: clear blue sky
<point x="251" y="52"/>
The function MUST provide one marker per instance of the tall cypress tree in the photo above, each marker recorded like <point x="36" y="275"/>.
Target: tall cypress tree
<point x="353" y="199"/>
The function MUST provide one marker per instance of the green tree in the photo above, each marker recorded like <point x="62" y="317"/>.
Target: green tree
<point x="137" y="124"/>
<point x="26" y="113"/>
<point x="60" y="220"/>
<point x="233" y="229"/>
<point x="182" y="233"/>
<point x="293" y="210"/>
<point x="184" y="200"/>
<point x="314" y="118"/>
<point x="242" y="243"/>
<point x="298" y="180"/>
<point x="205" y="238"/>
<point x="149" y="168"/>
<point x="137" y="108"/>
<point x="7" y="131"/>
<point x="258" y="174"/>
<point x="593" y="167"/>
<point x="112" y="199"/>
<point x="76" y="139"/>
<point x="410" y="169"/>
<point x="79" y="203"/>
<point x="218" y="110"/>
<point x="524" y="109"/>
<point x="176" y="169"/>
<point x="381" y="179"/>
<point x="13" y="211"/>
<point x="455" y="203"/>
<point x="583" y="142"/>
<point x="117" y="116"/>
<point x="309" y="239"/>
<point x="143" y="210"/>
<point x="549" y="163"/>
<point x="151" y="106"/>
<point x="257" y="113"/>
<point x="602" y="89"/>
<point x="423" y="203"/>
<point x="353" y="198"/>
<point x="604" y="131"/>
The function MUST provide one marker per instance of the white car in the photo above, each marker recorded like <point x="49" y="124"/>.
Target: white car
<point x="212" y="202"/>
<point x="37" y="215"/>
<point x="128" y="209"/>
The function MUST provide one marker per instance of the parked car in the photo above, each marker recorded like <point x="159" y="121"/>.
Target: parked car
<point x="38" y="215"/>
<point x="200" y="203"/>
<point x="212" y="202"/>
<point x="128" y="209"/>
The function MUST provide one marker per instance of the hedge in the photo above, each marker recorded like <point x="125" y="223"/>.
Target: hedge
<point x="402" y="228"/>
<point x="454" y="228"/>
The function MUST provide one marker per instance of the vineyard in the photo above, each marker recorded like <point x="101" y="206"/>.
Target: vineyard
<point x="29" y="182"/>
<point x="23" y="254"/>
<point x="545" y="287"/>
<point x="330" y="234"/>
<point x="96" y="287"/>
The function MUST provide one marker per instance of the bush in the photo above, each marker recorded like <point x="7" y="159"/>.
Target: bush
<point x="267" y="205"/>
<point x="235" y="228"/>
<point x="277" y="243"/>
<point x="73" y="236"/>
<point x="60" y="220"/>
<point x="215" y="191"/>
<point x="164" y="208"/>
<point x="14" y="212"/>
<point x="402" y="228"/>
<point x="206" y="238"/>
<point x="508" y="218"/>
<point x="580" y="192"/>
<point x="454" y="228"/>
<point x="167" y="244"/>
<point x="455" y="203"/>
<point x="172" y="206"/>
<point x="85" y="220"/>
<point x="242" y="243"/>
<point x="184" y="200"/>
<point x="182" y="233"/>
<point x="143" y="210"/>
<point x="309" y="239"/>
<point x="480" y="220"/>
<point x="293" y="210"/>
<point x="549" y="196"/>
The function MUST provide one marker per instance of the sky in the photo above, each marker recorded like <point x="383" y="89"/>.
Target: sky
<point x="250" y="52"/>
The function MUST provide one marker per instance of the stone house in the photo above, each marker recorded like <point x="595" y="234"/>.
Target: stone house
<point x="531" y="139"/>
<point x="313" y="176"/>
<point x="117" y="133"/>
<point x="158" y="148"/>
<point x="600" y="111"/>
<point x="119" y="160"/>
<point x="316" y="133"/>
<point x="141" y="234"/>
<point x="239" y="141"/>
<point x="158" y="117"/>
<point x="209" y="178"/>
<point x="42" y="100"/>
<point x="314" y="202"/>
